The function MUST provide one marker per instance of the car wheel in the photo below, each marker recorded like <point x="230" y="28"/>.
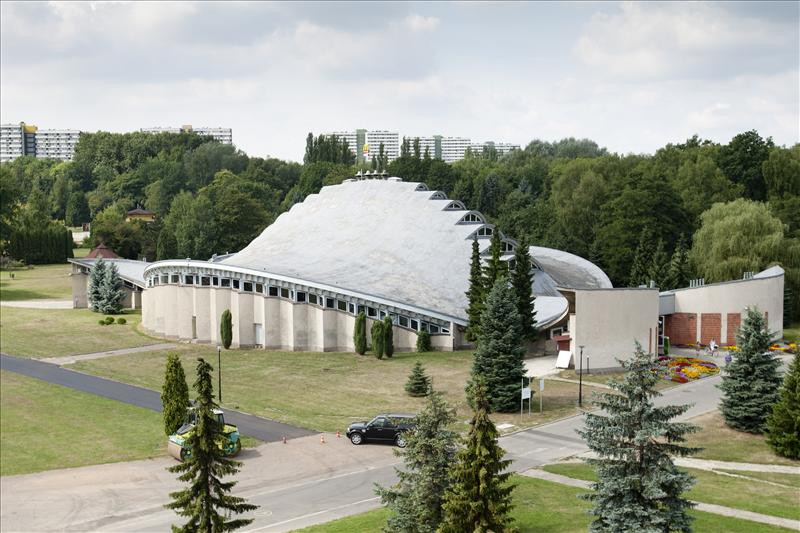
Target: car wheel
<point x="235" y="448"/>
<point x="184" y="455"/>
<point x="400" y="441"/>
<point x="356" y="438"/>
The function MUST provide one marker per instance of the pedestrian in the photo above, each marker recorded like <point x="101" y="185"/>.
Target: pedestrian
<point x="728" y="358"/>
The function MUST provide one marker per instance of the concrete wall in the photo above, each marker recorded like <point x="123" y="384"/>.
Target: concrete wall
<point x="715" y="311"/>
<point x="191" y="312"/>
<point x="607" y="322"/>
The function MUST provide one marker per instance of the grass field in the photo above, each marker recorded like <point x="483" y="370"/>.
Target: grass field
<point x="45" y="426"/>
<point x="747" y="494"/>
<point x="38" y="282"/>
<point x="81" y="252"/>
<point x="790" y="480"/>
<point x="792" y="333"/>
<point x="725" y="444"/>
<point x="326" y="391"/>
<point x="57" y="332"/>
<point x="545" y="507"/>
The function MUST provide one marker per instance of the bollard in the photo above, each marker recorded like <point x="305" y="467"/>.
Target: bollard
<point x="284" y="439"/>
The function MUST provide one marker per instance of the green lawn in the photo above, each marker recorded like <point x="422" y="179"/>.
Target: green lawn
<point x="792" y="333"/>
<point x="38" y="282"/>
<point x="57" y="332"/>
<point x="81" y="252"/>
<point x="325" y="391"/>
<point x="722" y="443"/>
<point x="45" y="426"/>
<point x="544" y="507"/>
<point x="748" y="494"/>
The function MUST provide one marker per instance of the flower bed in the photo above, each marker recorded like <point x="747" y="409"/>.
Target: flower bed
<point x="685" y="369"/>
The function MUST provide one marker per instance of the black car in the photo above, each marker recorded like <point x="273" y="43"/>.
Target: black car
<point x="382" y="428"/>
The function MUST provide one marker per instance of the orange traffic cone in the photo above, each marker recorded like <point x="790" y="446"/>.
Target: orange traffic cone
<point x="322" y="439"/>
<point x="338" y="434"/>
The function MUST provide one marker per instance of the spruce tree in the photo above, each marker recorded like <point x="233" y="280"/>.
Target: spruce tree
<point x="498" y="359"/>
<point x="376" y="332"/>
<point x="678" y="272"/>
<point x="206" y="502"/>
<point x="423" y="342"/>
<point x="476" y="295"/>
<point x="360" y="334"/>
<point x="388" y="337"/>
<point x="495" y="268"/>
<point x="751" y="382"/>
<point x="174" y="394"/>
<point x="226" y="329"/>
<point x="479" y="497"/>
<point x="638" y="486"/>
<point x="783" y="423"/>
<point x="523" y="291"/>
<point x="96" y="278"/>
<point x="659" y="265"/>
<point x="642" y="258"/>
<point x="418" y="382"/>
<point x="415" y="501"/>
<point x="111" y="293"/>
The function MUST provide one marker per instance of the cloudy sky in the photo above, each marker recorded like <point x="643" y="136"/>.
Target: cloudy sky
<point x="630" y="76"/>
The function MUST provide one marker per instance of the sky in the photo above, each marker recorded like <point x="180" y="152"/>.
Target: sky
<point x="631" y="76"/>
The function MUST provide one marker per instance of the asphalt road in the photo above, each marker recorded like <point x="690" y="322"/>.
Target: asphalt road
<point x="253" y="426"/>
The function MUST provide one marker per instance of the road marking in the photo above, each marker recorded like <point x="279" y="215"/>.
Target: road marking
<point x="537" y="450"/>
<point x="309" y="515"/>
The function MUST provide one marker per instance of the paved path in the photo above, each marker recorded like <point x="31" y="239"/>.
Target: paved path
<point x="39" y="304"/>
<point x="253" y="426"/>
<point x="69" y="359"/>
<point x="700" y="506"/>
<point x="707" y="464"/>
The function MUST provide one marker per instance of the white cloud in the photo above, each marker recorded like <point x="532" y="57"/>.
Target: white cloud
<point x="419" y="23"/>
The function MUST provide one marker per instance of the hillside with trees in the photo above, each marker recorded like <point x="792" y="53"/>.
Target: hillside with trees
<point x="639" y="216"/>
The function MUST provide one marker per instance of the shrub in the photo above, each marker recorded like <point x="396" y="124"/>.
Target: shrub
<point x="377" y="339"/>
<point x="360" y="334"/>
<point x="109" y="320"/>
<point x="101" y="322"/>
<point x="121" y="320"/>
<point x="388" y="338"/>
<point x="423" y="341"/>
<point x="226" y="329"/>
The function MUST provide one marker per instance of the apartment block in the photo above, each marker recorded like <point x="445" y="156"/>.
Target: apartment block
<point x="223" y="135"/>
<point x="21" y="139"/>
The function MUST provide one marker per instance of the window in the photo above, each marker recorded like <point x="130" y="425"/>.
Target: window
<point x="188" y="279"/>
<point x="175" y="278"/>
<point x="556" y="332"/>
<point x="421" y="187"/>
<point x="341" y="305"/>
<point x="273" y="291"/>
<point x="215" y="281"/>
<point x="471" y="217"/>
<point x="445" y="330"/>
<point x="361" y="309"/>
<point x="423" y="326"/>
<point x="414" y="325"/>
<point x="438" y="195"/>
<point x="248" y="286"/>
<point x="485" y="232"/>
<point x="301" y="296"/>
<point x="371" y="311"/>
<point x="164" y="279"/>
<point x="507" y="247"/>
<point x="403" y="321"/>
<point x="259" y="288"/>
<point x="434" y="328"/>
<point x="382" y="315"/>
<point x="284" y="292"/>
<point x="330" y="303"/>
<point x="205" y="281"/>
<point x="455" y="206"/>
<point x="226" y="282"/>
<point x="236" y="284"/>
<point x="352" y="308"/>
<point x="312" y="299"/>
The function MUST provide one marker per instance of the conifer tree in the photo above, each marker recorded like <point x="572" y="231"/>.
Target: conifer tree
<point x="523" y="291"/>
<point x="388" y="337"/>
<point x="418" y="382"/>
<point x="226" y="329"/>
<point x="659" y="263"/>
<point x="498" y="359"/>
<point x="479" y="497"/>
<point x="423" y="342"/>
<point x="783" y="423"/>
<point x="640" y="269"/>
<point x="174" y="394"/>
<point x="360" y="334"/>
<point x="376" y="332"/>
<point x="111" y="293"/>
<point x="476" y="295"/>
<point x="495" y="268"/>
<point x="206" y="502"/>
<point x="638" y="486"/>
<point x="678" y="273"/>
<point x="415" y="501"/>
<point x="96" y="278"/>
<point x="750" y="383"/>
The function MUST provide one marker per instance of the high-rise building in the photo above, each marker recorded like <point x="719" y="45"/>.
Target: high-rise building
<point x="366" y="144"/>
<point x="57" y="143"/>
<point x="501" y="148"/>
<point x="223" y="135"/>
<point x="21" y="139"/>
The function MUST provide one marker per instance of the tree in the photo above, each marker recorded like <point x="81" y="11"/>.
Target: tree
<point x="226" y="328"/>
<point x="206" y="501"/>
<point x="96" y="278"/>
<point x="360" y="334"/>
<point x="476" y="293"/>
<point x="678" y="273"/>
<point x="77" y="211"/>
<point x="783" y="423"/>
<point x="388" y="337"/>
<point x="495" y="268"/>
<point x="782" y="176"/>
<point x="423" y="342"/>
<point x="105" y="292"/>
<point x="376" y="332"/>
<point x="638" y="486"/>
<point x="415" y="501"/>
<point x="479" y="496"/>
<point x="174" y="394"/>
<point x="659" y="265"/>
<point x="742" y="159"/>
<point x="642" y="260"/>
<point x="523" y="291"/>
<point x="418" y="382"/>
<point x="751" y="382"/>
<point x="498" y="359"/>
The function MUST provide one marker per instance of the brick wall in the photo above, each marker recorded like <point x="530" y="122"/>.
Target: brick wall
<point x="681" y="328"/>
<point x="710" y="327"/>
<point x="734" y="321"/>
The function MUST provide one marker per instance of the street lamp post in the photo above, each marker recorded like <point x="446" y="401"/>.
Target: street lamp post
<point x="580" y="380"/>
<point x="219" y="373"/>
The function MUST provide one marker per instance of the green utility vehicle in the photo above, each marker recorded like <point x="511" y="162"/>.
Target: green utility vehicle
<point x="228" y="441"/>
